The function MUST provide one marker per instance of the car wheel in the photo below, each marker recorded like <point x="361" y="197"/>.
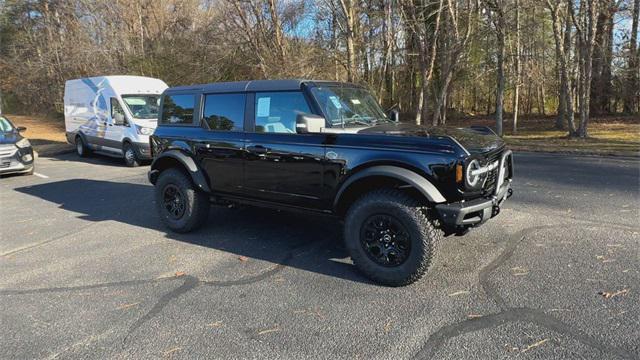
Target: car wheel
<point x="130" y="155"/>
<point x="81" y="148"/>
<point x="389" y="237"/>
<point x="181" y="206"/>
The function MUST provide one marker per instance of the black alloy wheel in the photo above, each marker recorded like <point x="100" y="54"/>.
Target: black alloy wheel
<point x="173" y="201"/>
<point x="385" y="240"/>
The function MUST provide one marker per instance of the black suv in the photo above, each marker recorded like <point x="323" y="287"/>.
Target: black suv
<point x="327" y="147"/>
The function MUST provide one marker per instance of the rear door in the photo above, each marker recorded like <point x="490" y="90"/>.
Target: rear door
<point x="281" y="165"/>
<point x="220" y="148"/>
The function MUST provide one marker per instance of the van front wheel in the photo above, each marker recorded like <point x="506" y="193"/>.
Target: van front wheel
<point x="130" y="155"/>
<point x="81" y="148"/>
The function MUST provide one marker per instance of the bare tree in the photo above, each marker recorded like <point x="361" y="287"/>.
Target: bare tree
<point x="585" y="22"/>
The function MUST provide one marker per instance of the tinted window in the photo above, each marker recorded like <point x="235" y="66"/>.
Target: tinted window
<point x="224" y="111"/>
<point x="276" y="112"/>
<point x="178" y="109"/>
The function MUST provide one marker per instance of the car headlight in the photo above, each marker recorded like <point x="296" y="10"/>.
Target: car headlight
<point x="23" y="143"/>
<point x="476" y="172"/>
<point x="144" y="130"/>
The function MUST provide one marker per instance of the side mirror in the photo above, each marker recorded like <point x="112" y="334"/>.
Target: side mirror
<point x="118" y="119"/>
<point x="21" y="129"/>
<point x="394" y="115"/>
<point x="309" y="123"/>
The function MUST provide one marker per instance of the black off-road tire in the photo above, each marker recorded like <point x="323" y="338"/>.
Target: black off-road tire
<point x="406" y="210"/>
<point x="130" y="155"/>
<point x="196" y="203"/>
<point x="81" y="148"/>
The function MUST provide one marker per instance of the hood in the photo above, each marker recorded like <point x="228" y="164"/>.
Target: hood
<point x="9" y="137"/>
<point x="475" y="140"/>
<point x="150" y="123"/>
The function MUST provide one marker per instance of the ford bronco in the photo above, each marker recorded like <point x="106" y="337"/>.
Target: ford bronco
<point x="327" y="147"/>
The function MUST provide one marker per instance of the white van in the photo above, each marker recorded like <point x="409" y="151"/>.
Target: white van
<point x="112" y="115"/>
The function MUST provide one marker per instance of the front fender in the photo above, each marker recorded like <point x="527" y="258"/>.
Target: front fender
<point x="423" y="185"/>
<point x="169" y="158"/>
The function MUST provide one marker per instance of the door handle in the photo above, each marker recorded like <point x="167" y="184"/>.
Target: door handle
<point x="202" y="145"/>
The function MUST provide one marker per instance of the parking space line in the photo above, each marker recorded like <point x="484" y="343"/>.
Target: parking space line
<point x="40" y="175"/>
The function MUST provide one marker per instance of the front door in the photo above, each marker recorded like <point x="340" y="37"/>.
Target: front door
<point x="281" y="165"/>
<point x="115" y="129"/>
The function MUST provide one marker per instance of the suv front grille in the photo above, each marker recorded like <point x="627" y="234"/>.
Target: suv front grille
<point x="492" y="176"/>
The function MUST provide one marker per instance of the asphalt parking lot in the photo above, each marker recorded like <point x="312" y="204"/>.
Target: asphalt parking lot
<point x="89" y="272"/>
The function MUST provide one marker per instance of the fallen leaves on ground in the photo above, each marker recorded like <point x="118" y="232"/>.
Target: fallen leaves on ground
<point x="474" y="316"/>
<point x="534" y="345"/>
<point x="243" y="258"/>
<point x="171" y="351"/>
<point x="126" y="306"/>
<point x="387" y="326"/>
<point x="216" y="324"/>
<point x="520" y="271"/>
<point x="461" y="292"/>
<point x="311" y="311"/>
<point x="609" y="295"/>
<point x="180" y="273"/>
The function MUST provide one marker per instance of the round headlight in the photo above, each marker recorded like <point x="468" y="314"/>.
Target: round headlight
<point x="472" y="180"/>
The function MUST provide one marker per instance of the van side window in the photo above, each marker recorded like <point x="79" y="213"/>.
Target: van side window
<point x="276" y="112"/>
<point x="117" y="114"/>
<point x="178" y="109"/>
<point x="224" y="111"/>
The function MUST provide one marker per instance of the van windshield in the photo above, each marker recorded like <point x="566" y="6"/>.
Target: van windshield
<point x="143" y="106"/>
<point x="348" y="106"/>
<point x="5" y="125"/>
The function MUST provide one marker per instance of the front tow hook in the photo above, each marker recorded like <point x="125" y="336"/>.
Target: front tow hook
<point x="495" y="210"/>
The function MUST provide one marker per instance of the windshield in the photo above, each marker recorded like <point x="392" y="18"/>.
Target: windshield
<point x="348" y="106"/>
<point x="5" y="125"/>
<point x="143" y="106"/>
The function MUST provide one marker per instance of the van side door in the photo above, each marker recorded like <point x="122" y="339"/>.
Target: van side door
<point x="283" y="166"/>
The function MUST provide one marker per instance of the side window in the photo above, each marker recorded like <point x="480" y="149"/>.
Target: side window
<point x="224" y="111"/>
<point x="117" y="114"/>
<point x="178" y="109"/>
<point x="276" y="112"/>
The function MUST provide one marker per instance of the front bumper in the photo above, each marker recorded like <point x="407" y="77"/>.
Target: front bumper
<point x="15" y="160"/>
<point x="144" y="150"/>
<point x="476" y="212"/>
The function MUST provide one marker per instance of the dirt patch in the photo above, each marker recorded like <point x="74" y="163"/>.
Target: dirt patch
<point x="608" y="135"/>
<point x="47" y="135"/>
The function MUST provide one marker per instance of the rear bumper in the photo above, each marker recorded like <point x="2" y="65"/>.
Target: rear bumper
<point x="474" y="212"/>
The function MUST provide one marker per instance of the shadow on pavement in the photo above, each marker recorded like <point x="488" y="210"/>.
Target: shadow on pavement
<point x="275" y="236"/>
<point x="94" y="158"/>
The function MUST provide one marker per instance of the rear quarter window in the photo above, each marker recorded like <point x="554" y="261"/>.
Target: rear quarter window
<point x="178" y="109"/>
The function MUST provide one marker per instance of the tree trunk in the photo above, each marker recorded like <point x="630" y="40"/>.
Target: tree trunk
<point x="516" y="86"/>
<point x="348" y="8"/>
<point x="500" y="35"/>
<point x="632" y="91"/>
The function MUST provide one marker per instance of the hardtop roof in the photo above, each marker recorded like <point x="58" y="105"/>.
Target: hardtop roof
<point x="254" y="85"/>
